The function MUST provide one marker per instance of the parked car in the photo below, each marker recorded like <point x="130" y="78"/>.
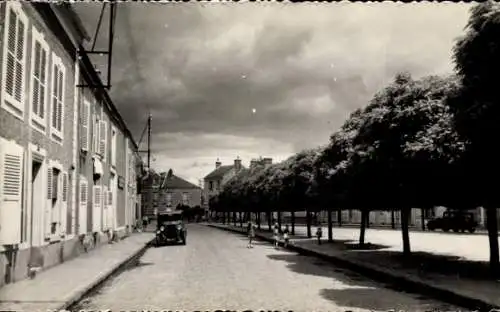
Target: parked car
<point x="454" y="220"/>
<point x="170" y="227"/>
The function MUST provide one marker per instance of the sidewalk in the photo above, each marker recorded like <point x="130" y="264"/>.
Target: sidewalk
<point x="464" y="283"/>
<point x="63" y="285"/>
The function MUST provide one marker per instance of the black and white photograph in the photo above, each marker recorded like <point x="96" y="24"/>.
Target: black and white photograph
<point x="249" y="156"/>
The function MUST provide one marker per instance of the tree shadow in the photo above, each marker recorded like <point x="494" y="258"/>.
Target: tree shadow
<point x="427" y="263"/>
<point x="351" y="289"/>
<point x="345" y="245"/>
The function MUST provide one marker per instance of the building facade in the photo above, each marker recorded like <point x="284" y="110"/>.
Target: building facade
<point x="65" y="153"/>
<point x="174" y="191"/>
<point x="215" y="180"/>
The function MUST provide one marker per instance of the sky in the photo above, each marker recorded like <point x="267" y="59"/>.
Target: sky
<point x="227" y="80"/>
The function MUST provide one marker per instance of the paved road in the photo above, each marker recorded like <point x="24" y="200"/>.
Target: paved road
<point x="216" y="271"/>
<point x="469" y="246"/>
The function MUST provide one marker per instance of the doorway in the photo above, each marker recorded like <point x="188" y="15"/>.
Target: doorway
<point x="36" y="204"/>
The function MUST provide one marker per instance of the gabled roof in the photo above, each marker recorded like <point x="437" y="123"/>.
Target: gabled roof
<point x="175" y="182"/>
<point x="219" y="172"/>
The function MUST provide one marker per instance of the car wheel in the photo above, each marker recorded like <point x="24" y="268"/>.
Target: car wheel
<point x="430" y="228"/>
<point x="472" y="230"/>
<point x="446" y="229"/>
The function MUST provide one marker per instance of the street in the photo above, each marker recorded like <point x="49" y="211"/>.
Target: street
<point x="216" y="270"/>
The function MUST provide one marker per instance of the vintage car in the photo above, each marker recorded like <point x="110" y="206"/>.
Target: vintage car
<point x="454" y="220"/>
<point x="170" y="228"/>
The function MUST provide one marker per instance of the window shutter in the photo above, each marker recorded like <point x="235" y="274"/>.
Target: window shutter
<point x="60" y="98"/>
<point x="10" y="72"/>
<point x="11" y="174"/>
<point x="83" y="192"/>
<point x="85" y="126"/>
<point x="110" y="198"/>
<point x="49" y="182"/>
<point x="43" y="82"/>
<point x="65" y="187"/>
<point x="55" y="79"/>
<point x="97" y="196"/>
<point x="20" y="47"/>
<point x="102" y="138"/>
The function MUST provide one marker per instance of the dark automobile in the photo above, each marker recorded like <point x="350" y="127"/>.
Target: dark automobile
<point x="454" y="220"/>
<point x="170" y="227"/>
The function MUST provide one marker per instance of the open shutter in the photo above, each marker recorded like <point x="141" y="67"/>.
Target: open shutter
<point x="60" y="99"/>
<point x="11" y="174"/>
<point x="49" y="183"/>
<point x="97" y="211"/>
<point x="84" y="193"/>
<point x="84" y="138"/>
<point x="65" y="187"/>
<point x="102" y="139"/>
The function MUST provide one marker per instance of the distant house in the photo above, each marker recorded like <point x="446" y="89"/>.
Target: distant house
<point x="215" y="180"/>
<point x="174" y="191"/>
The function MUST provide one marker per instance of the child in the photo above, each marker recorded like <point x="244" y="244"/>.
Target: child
<point x="251" y="233"/>
<point x="276" y="235"/>
<point x="285" y="235"/>
<point x="319" y="233"/>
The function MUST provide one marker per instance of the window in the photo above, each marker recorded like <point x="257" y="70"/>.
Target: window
<point x="54" y="195"/>
<point x="211" y="185"/>
<point x="57" y="98"/>
<point x="113" y="146"/>
<point x="185" y="198"/>
<point x="14" y="59"/>
<point x="84" y="126"/>
<point x="39" y="77"/>
<point x="218" y="185"/>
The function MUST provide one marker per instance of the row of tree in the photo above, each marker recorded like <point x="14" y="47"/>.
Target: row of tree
<point x="418" y="143"/>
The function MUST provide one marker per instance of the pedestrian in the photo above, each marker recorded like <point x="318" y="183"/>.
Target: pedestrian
<point x="319" y="233"/>
<point x="251" y="233"/>
<point x="145" y="221"/>
<point x="276" y="235"/>
<point x="286" y="232"/>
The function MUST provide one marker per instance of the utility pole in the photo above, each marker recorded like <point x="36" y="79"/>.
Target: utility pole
<point x="149" y="141"/>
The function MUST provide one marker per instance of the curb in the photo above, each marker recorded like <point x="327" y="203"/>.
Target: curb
<point x="78" y="296"/>
<point x="383" y="275"/>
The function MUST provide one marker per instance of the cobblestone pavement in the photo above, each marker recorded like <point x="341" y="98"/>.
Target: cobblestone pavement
<point x="216" y="270"/>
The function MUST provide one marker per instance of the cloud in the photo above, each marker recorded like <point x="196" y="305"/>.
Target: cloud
<point x="201" y="69"/>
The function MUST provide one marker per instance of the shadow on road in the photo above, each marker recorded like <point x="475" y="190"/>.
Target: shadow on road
<point x="352" y="289"/>
<point x="424" y="263"/>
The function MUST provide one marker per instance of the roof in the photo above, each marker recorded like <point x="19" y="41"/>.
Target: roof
<point x="175" y="182"/>
<point x="219" y="172"/>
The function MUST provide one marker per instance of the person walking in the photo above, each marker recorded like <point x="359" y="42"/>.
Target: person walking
<point x="251" y="233"/>
<point x="286" y="233"/>
<point x="319" y="233"/>
<point x="276" y="235"/>
<point x="145" y="222"/>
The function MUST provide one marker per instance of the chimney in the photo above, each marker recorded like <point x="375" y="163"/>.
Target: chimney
<point x="217" y="163"/>
<point x="267" y="161"/>
<point x="237" y="164"/>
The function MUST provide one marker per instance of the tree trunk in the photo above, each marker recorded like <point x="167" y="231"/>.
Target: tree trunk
<point x="234" y="218"/>
<point x="368" y="220"/>
<point x="241" y="219"/>
<point x="362" y="230"/>
<point x="422" y="218"/>
<point x="330" y="226"/>
<point x="393" y="220"/>
<point x="308" y="218"/>
<point x="339" y="217"/>
<point x="279" y="220"/>
<point x="269" y="221"/>
<point x="293" y="222"/>
<point x="492" y="225"/>
<point x="258" y="220"/>
<point x="405" y="219"/>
